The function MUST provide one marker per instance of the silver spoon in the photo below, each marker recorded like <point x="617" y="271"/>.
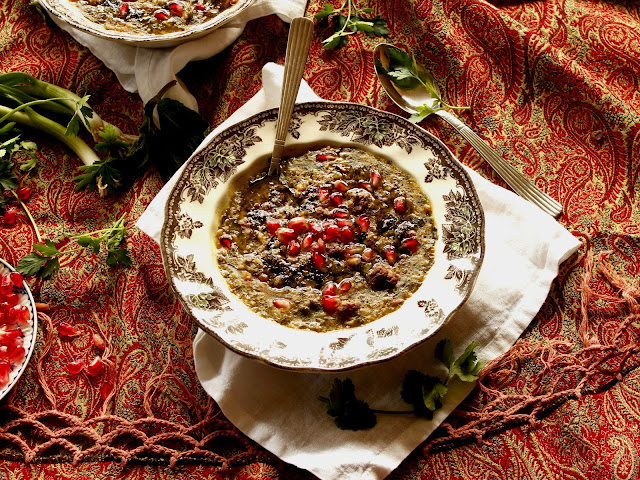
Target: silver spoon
<point x="411" y="100"/>
<point x="300" y="34"/>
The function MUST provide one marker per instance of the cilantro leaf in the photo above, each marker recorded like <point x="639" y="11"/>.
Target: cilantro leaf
<point x="325" y="13"/>
<point x="350" y="412"/>
<point x="423" y="392"/>
<point x="31" y="264"/>
<point x="466" y="367"/>
<point x="344" y="25"/>
<point x="48" y="249"/>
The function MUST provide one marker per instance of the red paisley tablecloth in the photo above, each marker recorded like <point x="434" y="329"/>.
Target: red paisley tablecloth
<point x="553" y="85"/>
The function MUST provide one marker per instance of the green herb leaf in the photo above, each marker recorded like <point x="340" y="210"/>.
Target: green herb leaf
<point x="350" y="412"/>
<point x="48" y="249"/>
<point x="423" y="392"/>
<point x="350" y="23"/>
<point x="31" y="264"/>
<point x="465" y="367"/>
<point x="325" y="13"/>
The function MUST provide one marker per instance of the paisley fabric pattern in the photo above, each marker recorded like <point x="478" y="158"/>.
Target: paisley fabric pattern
<point x="553" y="85"/>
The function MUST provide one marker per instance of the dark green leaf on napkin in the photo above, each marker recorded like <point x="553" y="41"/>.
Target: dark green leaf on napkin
<point x="348" y="411"/>
<point x="466" y="367"/>
<point x="423" y="392"/>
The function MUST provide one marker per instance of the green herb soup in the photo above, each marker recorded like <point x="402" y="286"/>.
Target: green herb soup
<point x="342" y="238"/>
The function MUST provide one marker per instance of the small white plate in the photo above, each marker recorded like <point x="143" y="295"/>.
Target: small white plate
<point x="29" y="331"/>
<point x="201" y="191"/>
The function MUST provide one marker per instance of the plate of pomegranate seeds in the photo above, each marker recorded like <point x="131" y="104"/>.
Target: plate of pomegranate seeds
<point x="18" y="326"/>
<point x="338" y="263"/>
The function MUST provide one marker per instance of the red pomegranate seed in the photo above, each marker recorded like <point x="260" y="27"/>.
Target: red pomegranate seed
<point x="67" y="330"/>
<point x="331" y="232"/>
<point x="329" y="289"/>
<point x="285" y="235"/>
<point x="124" y="9"/>
<point x="293" y="249"/>
<point x="318" y="260"/>
<point x="24" y="193"/>
<point x="339" y="213"/>
<point x="17" y="279"/>
<point x="105" y="390"/>
<point x="400" y="205"/>
<point x="298" y="225"/>
<point x="323" y="194"/>
<point x="336" y="198"/>
<point x="199" y="6"/>
<point x="326" y="156"/>
<point x="282" y="304"/>
<point x="330" y="303"/>
<point x="315" y="228"/>
<point x="307" y="241"/>
<point x="5" y="284"/>
<point x="98" y="341"/>
<point x="9" y="216"/>
<point x="176" y="9"/>
<point x="319" y="247"/>
<point x="272" y="226"/>
<point x="5" y="369"/>
<point x="410" y="244"/>
<point x="346" y="234"/>
<point x="342" y="222"/>
<point x="15" y="351"/>
<point x="95" y="366"/>
<point x="376" y="179"/>
<point x="345" y="285"/>
<point x="161" y="15"/>
<point x="75" y="367"/>
<point x="341" y="185"/>
<point x="390" y="254"/>
<point x="226" y="241"/>
<point x="364" y="223"/>
<point x="9" y="334"/>
<point x="365" y="185"/>
<point x="19" y="314"/>
<point x="12" y="299"/>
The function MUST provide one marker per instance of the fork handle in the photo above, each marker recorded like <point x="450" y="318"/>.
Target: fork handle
<point x="295" y="60"/>
<point x="516" y="180"/>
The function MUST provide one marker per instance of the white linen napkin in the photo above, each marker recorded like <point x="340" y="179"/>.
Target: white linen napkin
<point x="280" y="409"/>
<point x="147" y="70"/>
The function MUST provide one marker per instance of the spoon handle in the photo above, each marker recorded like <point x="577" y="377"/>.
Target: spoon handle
<point x="518" y="182"/>
<point x="295" y="60"/>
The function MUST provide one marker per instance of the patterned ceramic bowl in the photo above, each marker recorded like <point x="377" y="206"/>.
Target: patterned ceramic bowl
<point x="68" y="12"/>
<point x="189" y="249"/>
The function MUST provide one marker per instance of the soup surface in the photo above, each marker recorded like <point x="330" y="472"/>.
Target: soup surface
<point x="342" y="238"/>
<point x="151" y="16"/>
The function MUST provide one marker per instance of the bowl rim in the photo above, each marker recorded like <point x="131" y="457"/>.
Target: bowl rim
<point x="69" y="14"/>
<point x="471" y="281"/>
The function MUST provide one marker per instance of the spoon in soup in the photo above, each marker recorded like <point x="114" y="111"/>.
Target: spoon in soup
<point x="413" y="101"/>
<point x="298" y="43"/>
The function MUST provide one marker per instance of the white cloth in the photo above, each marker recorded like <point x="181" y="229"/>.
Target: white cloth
<point x="280" y="409"/>
<point x="147" y="70"/>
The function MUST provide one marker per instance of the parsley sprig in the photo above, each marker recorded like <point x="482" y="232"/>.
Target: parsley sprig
<point x="425" y="393"/>
<point x="45" y="260"/>
<point x="349" y="19"/>
<point x="407" y="74"/>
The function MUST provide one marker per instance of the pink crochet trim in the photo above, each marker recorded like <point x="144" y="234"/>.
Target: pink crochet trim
<point x="563" y="369"/>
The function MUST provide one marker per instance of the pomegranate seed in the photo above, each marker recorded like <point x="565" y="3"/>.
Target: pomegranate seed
<point x="326" y="156"/>
<point x="323" y="194"/>
<point x="98" y="341"/>
<point x="12" y="299"/>
<point x="410" y="244"/>
<point x="199" y="6"/>
<point x="330" y="303"/>
<point x="17" y="279"/>
<point x="364" y="223"/>
<point x="9" y="334"/>
<point x="339" y="213"/>
<point x="285" y="235"/>
<point x="365" y="185"/>
<point x="5" y="284"/>
<point x="345" y="285"/>
<point x="9" y="216"/>
<point x="176" y="9"/>
<point x="298" y="225"/>
<point x="19" y="314"/>
<point x="307" y="241"/>
<point x="390" y="254"/>
<point x="5" y="369"/>
<point x="329" y="289"/>
<point x="15" y="351"/>
<point x="95" y="366"/>
<point x="346" y="234"/>
<point x="272" y="226"/>
<point x="24" y="193"/>
<point x="67" y="330"/>
<point x="105" y="390"/>
<point x="282" y="304"/>
<point x="319" y="247"/>
<point x="331" y="232"/>
<point x="76" y="367"/>
<point x="161" y="15"/>
<point x="318" y="260"/>
<point x="376" y="179"/>
<point x="226" y="241"/>
<point x="341" y="185"/>
<point x="315" y="228"/>
<point x="293" y="249"/>
<point x="341" y="222"/>
<point x="124" y="10"/>
<point x="336" y="198"/>
<point x="400" y="205"/>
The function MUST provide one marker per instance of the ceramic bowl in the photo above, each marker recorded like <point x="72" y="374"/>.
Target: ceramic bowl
<point x="202" y="189"/>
